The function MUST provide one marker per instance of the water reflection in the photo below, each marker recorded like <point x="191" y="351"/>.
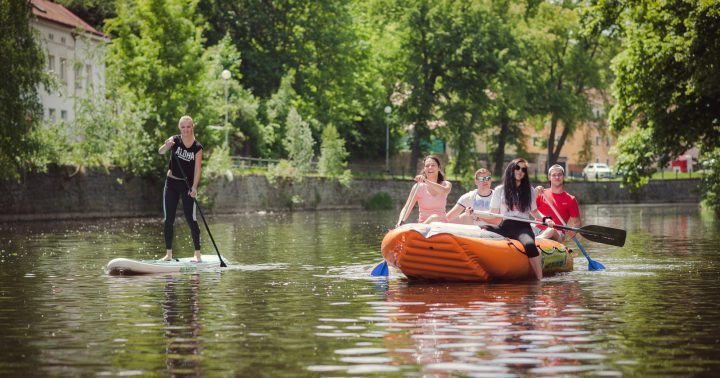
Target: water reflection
<point x="504" y="329"/>
<point x="297" y="301"/>
<point x="181" y="314"/>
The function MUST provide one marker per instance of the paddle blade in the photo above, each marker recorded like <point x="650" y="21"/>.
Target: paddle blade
<point x="594" y="265"/>
<point x="605" y="235"/>
<point x="381" y="270"/>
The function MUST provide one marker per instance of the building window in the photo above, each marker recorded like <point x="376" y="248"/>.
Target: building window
<point x="51" y="63"/>
<point x="52" y="115"/>
<point x="88" y="76"/>
<point x="63" y="115"/>
<point x="607" y="141"/>
<point x="607" y="161"/>
<point x="63" y="70"/>
<point x="62" y="40"/>
<point x="597" y="141"/>
<point x="51" y="36"/>
<point x="78" y="77"/>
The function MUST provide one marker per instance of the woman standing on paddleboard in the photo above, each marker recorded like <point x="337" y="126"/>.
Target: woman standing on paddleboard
<point x="185" y="163"/>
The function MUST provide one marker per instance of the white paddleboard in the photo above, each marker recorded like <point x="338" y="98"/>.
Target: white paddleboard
<point x="123" y="266"/>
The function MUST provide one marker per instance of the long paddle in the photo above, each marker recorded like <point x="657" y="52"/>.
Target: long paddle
<point x="600" y="234"/>
<point x="382" y="268"/>
<point x="222" y="263"/>
<point x="592" y="264"/>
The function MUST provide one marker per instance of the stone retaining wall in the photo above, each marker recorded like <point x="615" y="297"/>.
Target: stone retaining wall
<point x="63" y="193"/>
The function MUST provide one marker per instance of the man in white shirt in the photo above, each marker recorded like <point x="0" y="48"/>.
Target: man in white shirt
<point x="474" y="200"/>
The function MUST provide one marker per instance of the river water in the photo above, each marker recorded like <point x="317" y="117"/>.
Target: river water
<point x="296" y="301"/>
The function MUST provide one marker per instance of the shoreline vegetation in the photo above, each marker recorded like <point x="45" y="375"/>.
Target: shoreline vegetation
<point x="341" y="82"/>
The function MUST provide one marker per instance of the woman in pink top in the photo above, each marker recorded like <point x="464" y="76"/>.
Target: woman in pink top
<point x="431" y="194"/>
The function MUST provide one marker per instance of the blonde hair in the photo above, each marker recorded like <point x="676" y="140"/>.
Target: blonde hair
<point x="482" y="170"/>
<point x="186" y="118"/>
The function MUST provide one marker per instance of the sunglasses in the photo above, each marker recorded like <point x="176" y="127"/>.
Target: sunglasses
<point x="518" y="168"/>
<point x="483" y="178"/>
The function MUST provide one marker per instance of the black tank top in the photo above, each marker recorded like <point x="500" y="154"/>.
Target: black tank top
<point x="186" y="158"/>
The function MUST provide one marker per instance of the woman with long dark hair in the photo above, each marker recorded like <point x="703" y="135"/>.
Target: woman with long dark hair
<point x="516" y="198"/>
<point x="430" y="194"/>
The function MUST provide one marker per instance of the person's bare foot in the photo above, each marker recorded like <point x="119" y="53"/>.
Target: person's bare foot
<point x="168" y="256"/>
<point x="198" y="257"/>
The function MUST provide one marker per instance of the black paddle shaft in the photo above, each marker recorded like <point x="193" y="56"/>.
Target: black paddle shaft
<point x="222" y="263"/>
<point x="600" y="234"/>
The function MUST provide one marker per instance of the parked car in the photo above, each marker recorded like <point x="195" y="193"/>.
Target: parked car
<point x="595" y="171"/>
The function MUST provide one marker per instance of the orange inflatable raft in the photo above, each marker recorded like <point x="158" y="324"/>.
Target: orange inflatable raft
<point x="454" y="252"/>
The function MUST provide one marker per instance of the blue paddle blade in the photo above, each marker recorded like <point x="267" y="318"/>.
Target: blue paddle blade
<point x="592" y="264"/>
<point x="381" y="270"/>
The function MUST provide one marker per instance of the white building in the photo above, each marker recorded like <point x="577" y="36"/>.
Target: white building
<point x="74" y="53"/>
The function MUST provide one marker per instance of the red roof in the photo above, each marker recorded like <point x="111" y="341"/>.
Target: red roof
<point x="56" y="13"/>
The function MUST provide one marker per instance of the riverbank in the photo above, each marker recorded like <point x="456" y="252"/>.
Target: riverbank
<point x="63" y="193"/>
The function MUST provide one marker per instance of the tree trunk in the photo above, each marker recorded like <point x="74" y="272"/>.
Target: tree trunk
<point x="500" y="151"/>
<point x="415" y="153"/>
<point x="551" y="142"/>
<point x="561" y="142"/>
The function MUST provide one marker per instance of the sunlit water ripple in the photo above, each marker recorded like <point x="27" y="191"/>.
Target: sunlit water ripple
<point x="296" y="300"/>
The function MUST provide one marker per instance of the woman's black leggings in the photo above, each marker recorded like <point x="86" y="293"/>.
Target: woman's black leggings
<point x="174" y="191"/>
<point x="520" y="231"/>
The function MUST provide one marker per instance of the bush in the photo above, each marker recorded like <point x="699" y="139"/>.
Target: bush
<point x="332" y="153"/>
<point x="283" y="170"/>
<point x="380" y="201"/>
<point x="219" y="164"/>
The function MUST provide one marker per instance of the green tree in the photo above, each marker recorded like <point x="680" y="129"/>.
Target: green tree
<point x="298" y="141"/>
<point x="567" y="45"/>
<point x="241" y="106"/>
<point x="585" y="155"/>
<point x="155" y="58"/>
<point x="277" y="108"/>
<point x="667" y="85"/>
<point x="94" y="12"/>
<point x="22" y="63"/>
<point x="321" y="45"/>
<point x="440" y="71"/>
<point x="511" y="88"/>
<point x="332" y="153"/>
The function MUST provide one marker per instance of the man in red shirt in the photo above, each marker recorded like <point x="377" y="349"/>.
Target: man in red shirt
<point x="565" y="204"/>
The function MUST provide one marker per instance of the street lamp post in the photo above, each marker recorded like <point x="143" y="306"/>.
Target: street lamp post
<point x="388" y="110"/>
<point x="226" y="77"/>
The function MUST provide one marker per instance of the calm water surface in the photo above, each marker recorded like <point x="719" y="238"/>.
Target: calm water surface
<point x="296" y="301"/>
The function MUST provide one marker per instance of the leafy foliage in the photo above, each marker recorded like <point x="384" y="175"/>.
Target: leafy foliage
<point x="22" y="63"/>
<point x="566" y="46"/>
<point x="219" y="164"/>
<point x="668" y="83"/>
<point x="277" y="109"/>
<point x="155" y="58"/>
<point x="94" y="12"/>
<point x="241" y="106"/>
<point x="299" y="142"/>
<point x="332" y="161"/>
